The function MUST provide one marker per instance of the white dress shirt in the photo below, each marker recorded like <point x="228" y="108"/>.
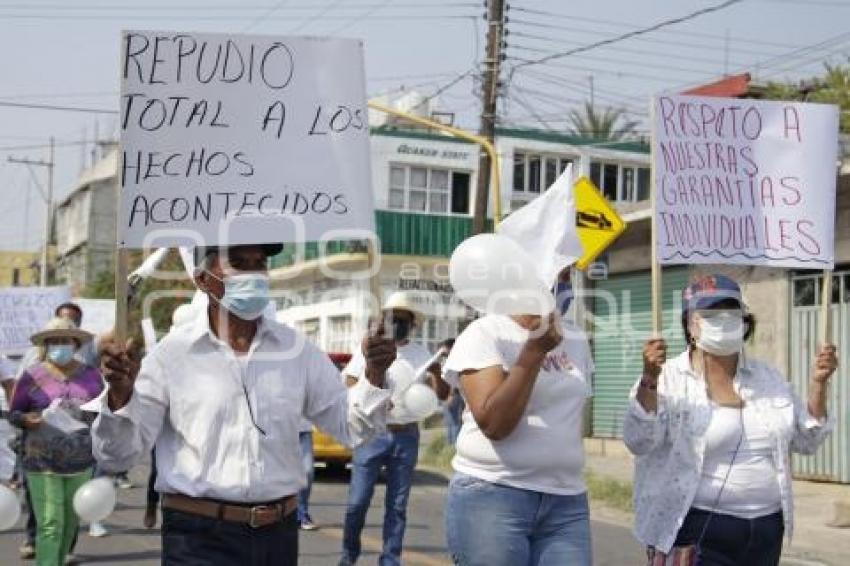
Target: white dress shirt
<point x="190" y="403"/>
<point x="670" y="444"/>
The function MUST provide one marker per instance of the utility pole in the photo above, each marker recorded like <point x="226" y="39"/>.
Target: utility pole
<point x="489" y="98"/>
<point x="48" y="200"/>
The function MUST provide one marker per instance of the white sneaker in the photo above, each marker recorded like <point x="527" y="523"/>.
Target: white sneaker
<point x="97" y="530"/>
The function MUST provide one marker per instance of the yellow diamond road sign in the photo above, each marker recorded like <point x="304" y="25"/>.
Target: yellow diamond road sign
<point x="597" y="223"/>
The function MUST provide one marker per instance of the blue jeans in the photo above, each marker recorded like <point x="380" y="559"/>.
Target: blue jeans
<point x="452" y="413"/>
<point x="489" y="524"/>
<point x="398" y="452"/>
<point x="731" y="540"/>
<point x="306" y="439"/>
<point x="193" y="540"/>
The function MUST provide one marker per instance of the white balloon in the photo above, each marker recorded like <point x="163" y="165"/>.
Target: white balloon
<point x="399" y="377"/>
<point x="95" y="499"/>
<point x="10" y="508"/>
<point x="493" y="274"/>
<point x="420" y="401"/>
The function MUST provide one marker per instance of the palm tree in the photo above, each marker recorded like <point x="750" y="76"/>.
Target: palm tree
<point x="611" y="124"/>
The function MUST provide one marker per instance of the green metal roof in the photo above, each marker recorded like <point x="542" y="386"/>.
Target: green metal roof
<point x="559" y="137"/>
<point x="415" y="134"/>
<point x="401" y="233"/>
<point x="516" y="133"/>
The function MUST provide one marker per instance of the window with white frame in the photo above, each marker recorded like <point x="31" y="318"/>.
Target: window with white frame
<point x="418" y="188"/>
<point x="620" y="182"/>
<point x="435" y="330"/>
<point x="311" y="328"/>
<point x="808" y="287"/>
<point x="535" y="172"/>
<point x="339" y="334"/>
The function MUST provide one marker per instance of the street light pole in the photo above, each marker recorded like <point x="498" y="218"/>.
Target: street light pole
<point x="48" y="222"/>
<point x="489" y="99"/>
<point x="48" y="201"/>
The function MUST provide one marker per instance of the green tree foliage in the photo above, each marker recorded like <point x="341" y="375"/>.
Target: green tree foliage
<point x="608" y="124"/>
<point x="169" y="293"/>
<point x="831" y="88"/>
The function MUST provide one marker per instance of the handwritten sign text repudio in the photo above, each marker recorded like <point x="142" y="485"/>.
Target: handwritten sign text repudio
<point x="241" y="139"/>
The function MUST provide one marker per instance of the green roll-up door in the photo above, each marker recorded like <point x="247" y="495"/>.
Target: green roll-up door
<point x="622" y="322"/>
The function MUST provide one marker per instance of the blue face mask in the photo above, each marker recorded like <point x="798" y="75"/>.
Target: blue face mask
<point x="563" y="296"/>
<point x="61" y="354"/>
<point x="246" y="295"/>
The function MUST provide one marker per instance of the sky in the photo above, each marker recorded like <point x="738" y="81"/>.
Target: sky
<point x="66" y="53"/>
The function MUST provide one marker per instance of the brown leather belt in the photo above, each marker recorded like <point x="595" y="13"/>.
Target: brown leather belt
<point x="255" y="516"/>
<point x="402" y="427"/>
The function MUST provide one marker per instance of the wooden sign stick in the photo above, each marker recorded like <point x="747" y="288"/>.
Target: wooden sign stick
<point x="121" y="302"/>
<point x="373" y="263"/>
<point x="825" y="330"/>
<point x="655" y="284"/>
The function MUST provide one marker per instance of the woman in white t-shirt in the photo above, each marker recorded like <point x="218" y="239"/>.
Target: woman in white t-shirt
<point x="518" y="497"/>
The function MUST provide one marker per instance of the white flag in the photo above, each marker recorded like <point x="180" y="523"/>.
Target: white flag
<point x="546" y="229"/>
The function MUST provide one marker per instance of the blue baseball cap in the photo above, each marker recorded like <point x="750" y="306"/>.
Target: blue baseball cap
<point x="708" y="291"/>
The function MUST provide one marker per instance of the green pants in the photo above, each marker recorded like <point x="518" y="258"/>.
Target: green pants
<point x="53" y="504"/>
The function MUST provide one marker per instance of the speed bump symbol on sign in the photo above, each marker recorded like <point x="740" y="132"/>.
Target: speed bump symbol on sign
<point x="597" y="223"/>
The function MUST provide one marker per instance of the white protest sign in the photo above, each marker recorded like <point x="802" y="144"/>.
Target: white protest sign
<point x="24" y="311"/>
<point x="234" y="139"/>
<point x="745" y="181"/>
<point x="98" y="315"/>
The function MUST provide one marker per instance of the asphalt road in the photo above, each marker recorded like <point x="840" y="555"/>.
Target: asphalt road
<point x="130" y="544"/>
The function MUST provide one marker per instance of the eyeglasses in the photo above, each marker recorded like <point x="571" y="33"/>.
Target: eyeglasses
<point x="251" y="411"/>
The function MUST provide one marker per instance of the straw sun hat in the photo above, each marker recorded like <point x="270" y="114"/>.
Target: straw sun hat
<point x="60" y="328"/>
<point x="405" y="301"/>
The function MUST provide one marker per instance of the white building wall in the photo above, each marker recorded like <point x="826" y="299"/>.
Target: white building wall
<point x="388" y="148"/>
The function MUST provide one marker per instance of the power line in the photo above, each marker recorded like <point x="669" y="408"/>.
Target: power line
<point x="237" y="7"/>
<point x="686" y="45"/>
<point x="233" y="18"/>
<point x="631" y="64"/>
<point x="689" y="33"/>
<point x="610" y="97"/>
<point x="793" y="54"/>
<point x="44" y="146"/>
<point x="641" y="31"/>
<point x="833" y="4"/>
<point x="357" y="19"/>
<point x="264" y="15"/>
<point x="319" y="13"/>
<point x="447" y="86"/>
<point x="32" y="106"/>
<point x="616" y="73"/>
<point x="402" y="77"/>
<point x="667" y="54"/>
<point x="531" y="110"/>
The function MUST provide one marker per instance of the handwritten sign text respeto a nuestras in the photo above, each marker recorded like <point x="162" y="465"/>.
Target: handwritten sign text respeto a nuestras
<point x="241" y="139"/>
<point x="745" y="181"/>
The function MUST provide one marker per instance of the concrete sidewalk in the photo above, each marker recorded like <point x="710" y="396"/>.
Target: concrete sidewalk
<point x="814" y="542"/>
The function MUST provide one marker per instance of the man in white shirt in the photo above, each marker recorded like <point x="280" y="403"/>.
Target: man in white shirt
<point x="398" y="449"/>
<point x="222" y="399"/>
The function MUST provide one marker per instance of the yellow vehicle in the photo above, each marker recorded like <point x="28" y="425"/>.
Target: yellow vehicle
<point x="325" y="447"/>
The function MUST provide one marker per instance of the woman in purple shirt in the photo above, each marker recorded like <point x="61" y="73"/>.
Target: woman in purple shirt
<point x="57" y="458"/>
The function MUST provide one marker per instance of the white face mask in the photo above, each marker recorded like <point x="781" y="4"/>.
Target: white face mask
<point x="721" y="333"/>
